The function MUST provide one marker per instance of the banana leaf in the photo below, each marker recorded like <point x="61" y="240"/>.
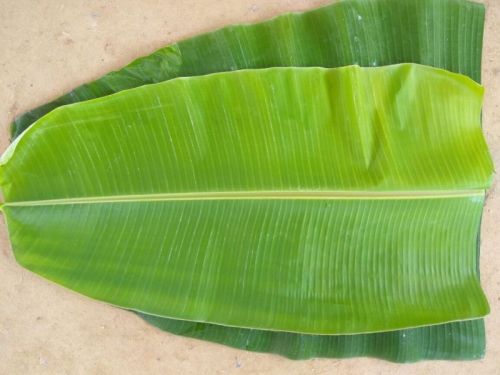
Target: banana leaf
<point x="453" y="51"/>
<point x="441" y="33"/>
<point x="306" y="200"/>
<point x="463" y="57"/>
<point x="458" y="340"/>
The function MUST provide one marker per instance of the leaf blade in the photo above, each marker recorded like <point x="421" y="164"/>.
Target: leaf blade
<point x="451" y="341"/>
<point x="202" y="295"/>
<point x="361" y="118"/>
<point x="367" y="288"/>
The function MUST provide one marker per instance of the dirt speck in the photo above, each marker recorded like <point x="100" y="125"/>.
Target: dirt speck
<point x="65" y="38"/>
<point x="13" y="109"/>
<point x="237" y="363"/>
<point x="109" y="49"/>
<point x="42" y="360"/>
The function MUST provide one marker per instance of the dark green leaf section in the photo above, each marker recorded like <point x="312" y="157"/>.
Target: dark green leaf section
<point x="452" y="341"/>
<point x="440" y="33"/>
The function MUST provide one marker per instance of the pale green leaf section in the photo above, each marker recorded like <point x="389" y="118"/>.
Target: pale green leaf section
<point x="397" y="128"/>
<point x="337" y="200"/>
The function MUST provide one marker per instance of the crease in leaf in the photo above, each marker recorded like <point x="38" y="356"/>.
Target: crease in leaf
<point x="298" y="263"/>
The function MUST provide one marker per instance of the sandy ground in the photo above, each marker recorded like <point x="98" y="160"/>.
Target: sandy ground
<point x="48" y="47"/>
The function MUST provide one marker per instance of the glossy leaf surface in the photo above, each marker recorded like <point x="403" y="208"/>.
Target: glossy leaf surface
<point x="216" y="199"/>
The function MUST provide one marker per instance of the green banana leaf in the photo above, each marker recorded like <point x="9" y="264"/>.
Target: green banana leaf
<point x="458" y="340"/>
<point x="451" y="53"/>
<point x="441" y="33"/>
<point x="304" y="200"/>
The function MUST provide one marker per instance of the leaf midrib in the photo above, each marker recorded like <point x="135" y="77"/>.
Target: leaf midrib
<point x="257" y="195"/>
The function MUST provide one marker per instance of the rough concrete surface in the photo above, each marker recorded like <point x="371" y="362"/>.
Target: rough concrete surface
<point x="48" y="47"/>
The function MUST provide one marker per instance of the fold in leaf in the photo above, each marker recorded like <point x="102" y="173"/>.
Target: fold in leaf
<point x="265" y="199"/>
<point x="441" y="33"/>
